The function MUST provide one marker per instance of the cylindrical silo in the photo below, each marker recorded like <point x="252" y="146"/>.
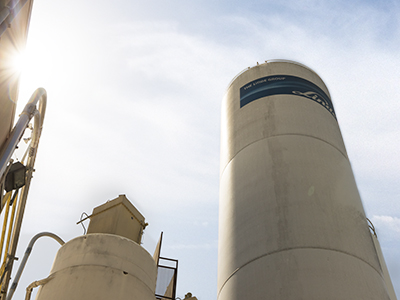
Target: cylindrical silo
<point x="101" y="266"/>
<point x="106" y="263"/>
<point x="291" y="223"/>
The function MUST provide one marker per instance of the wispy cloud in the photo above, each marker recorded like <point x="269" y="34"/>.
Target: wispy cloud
<point x="388" y="227"/>
<point x="207" y="246"/>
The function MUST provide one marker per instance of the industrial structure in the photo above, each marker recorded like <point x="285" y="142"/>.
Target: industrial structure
<point x="291" y="225"/>
<point x="15" y="177"/>
<point x="107" y="262"/>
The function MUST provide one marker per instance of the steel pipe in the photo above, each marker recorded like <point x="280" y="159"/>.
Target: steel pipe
<point x="26" y="256"/>
<point x="29" y="111"/>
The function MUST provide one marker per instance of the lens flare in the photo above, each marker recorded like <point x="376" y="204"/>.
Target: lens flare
<point x="18" y="62"/>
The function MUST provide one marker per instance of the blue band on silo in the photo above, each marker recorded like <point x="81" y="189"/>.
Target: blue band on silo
<point x="284" y="85"/>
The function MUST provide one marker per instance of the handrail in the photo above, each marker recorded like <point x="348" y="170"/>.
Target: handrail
<point x="271" y="61"/>
<point x="26" y="256"/>
<point x="27" y="114"/>
<point x="372" y="227"/>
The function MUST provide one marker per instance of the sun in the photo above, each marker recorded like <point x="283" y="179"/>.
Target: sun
<point x="18" y="62"/>
<point x="32" y="65"/>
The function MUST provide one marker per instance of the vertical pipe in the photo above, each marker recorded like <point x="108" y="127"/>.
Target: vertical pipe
<point x="3" y="232"/>
<point x="25" y="259"/>
<point x="11" y="224"/>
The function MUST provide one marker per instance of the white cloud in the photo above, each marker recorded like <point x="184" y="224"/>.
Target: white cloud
<point x="206" y="246"/>
<point x="387" y="226"/>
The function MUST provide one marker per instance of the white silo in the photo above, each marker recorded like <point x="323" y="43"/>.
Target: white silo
<point x="106" y="263"/>
<point x="292" y="225"/>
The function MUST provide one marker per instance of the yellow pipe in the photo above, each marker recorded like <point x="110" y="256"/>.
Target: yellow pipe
<point x="3" y="233"/>
<point x="3" y="265"/>
<point x="10" y="226"/>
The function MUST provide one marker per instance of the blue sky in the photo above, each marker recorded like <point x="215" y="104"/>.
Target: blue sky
<point x="134" y="93"/>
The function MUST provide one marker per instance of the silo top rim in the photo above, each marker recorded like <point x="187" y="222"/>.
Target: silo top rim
<point x="271" y="61"/>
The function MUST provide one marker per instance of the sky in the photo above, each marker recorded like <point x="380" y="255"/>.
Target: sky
<point x="134" y="104"/>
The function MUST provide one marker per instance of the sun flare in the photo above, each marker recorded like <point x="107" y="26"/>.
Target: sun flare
<point x="18" y="62"/>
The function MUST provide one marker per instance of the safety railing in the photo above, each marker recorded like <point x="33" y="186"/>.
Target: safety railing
<point x="167" y="273"/>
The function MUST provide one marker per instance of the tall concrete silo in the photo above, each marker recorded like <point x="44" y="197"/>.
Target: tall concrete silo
<point x="292" y="225"/>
